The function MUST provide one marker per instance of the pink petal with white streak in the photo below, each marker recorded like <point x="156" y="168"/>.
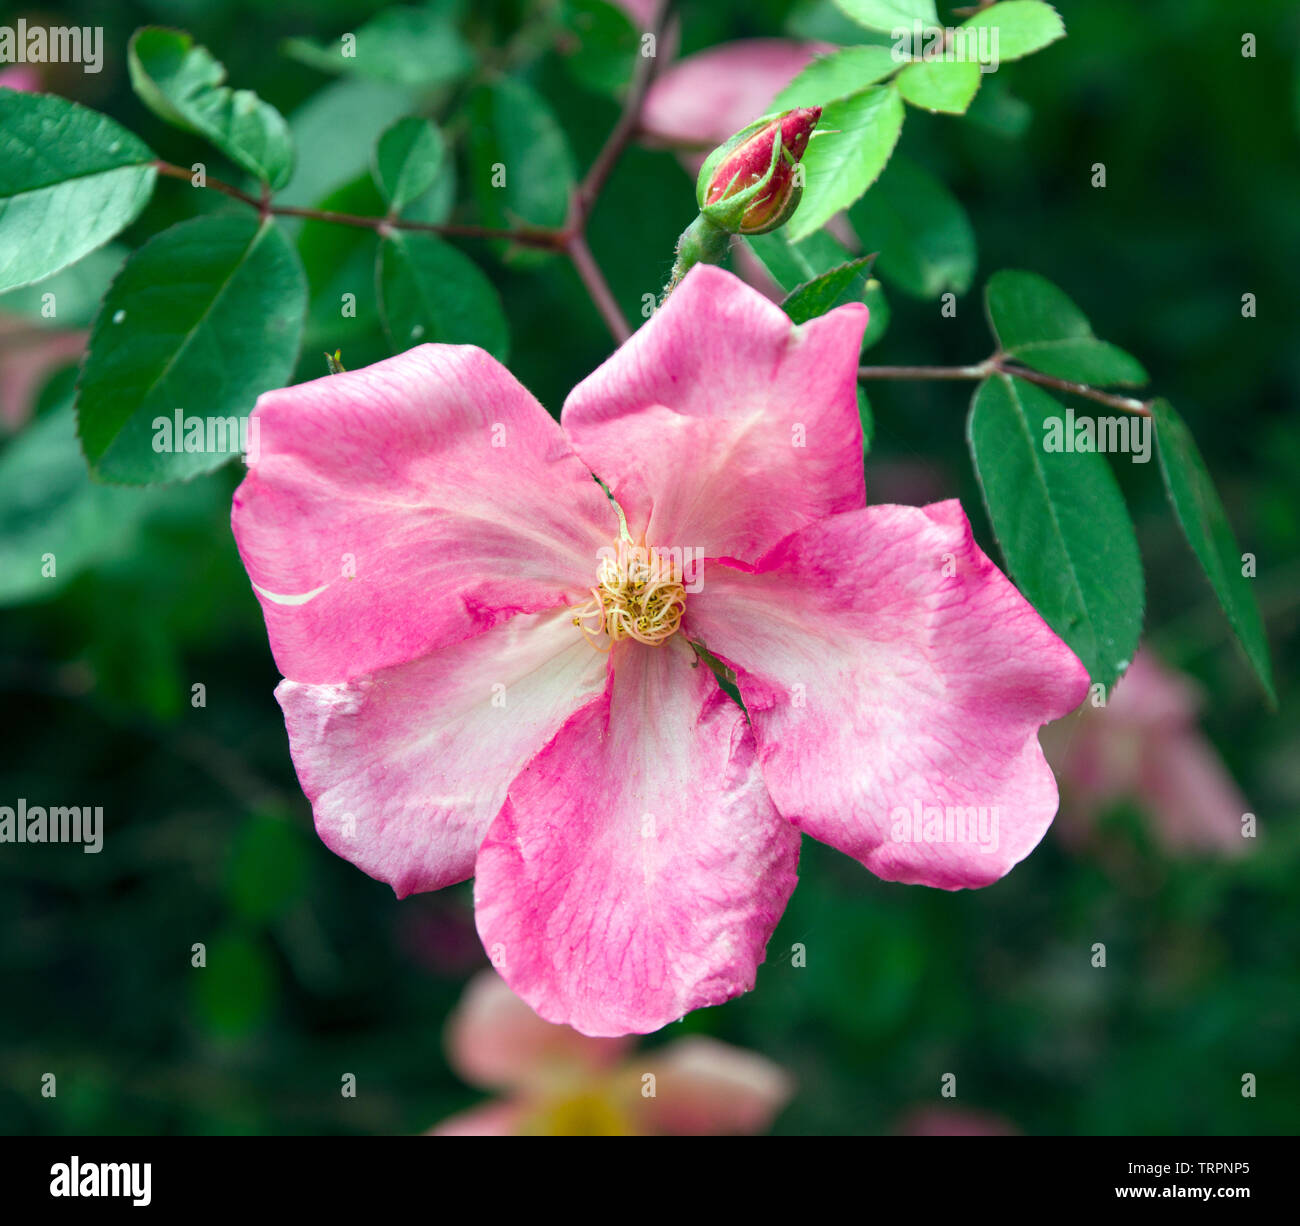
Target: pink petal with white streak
<point x="409" y="505"/>
<point x="891" y="670"/>
<point x="638" y="866"/>
<point x="407" y="768"/>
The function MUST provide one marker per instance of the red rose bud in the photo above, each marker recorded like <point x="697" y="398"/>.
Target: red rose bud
<point x="758" y="164"/>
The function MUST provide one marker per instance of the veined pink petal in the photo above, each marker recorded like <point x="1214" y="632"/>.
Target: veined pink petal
<point x="707" y="97"/>
<point x="893" y="674"/>
<point x="408" y="505"/>
<point x="407" y="767"/>
<point x="638" y="867"/>
<point x="707" y="1088"/>
<point x="496" y="1041"/>
<point x="721" y="425"/>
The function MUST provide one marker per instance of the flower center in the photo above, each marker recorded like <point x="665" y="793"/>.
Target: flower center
<point x="639" y="594"/>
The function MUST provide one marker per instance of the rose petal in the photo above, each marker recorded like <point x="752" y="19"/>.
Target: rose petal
<point x="889" y="668"/>
<point x="722" y="426"/>
<point x="410" y="504"/>
<point x="637" y="868"/>
<point x="406" y="768"/>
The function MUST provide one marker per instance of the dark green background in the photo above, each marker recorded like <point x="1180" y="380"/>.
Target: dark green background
<point x="321" y="972"/>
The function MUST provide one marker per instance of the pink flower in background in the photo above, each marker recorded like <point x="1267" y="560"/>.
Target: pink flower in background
<point x="557" y="1082"/>
<point x="1144" y="746"/>
<point x="954" y="1122"/>
<point x="29" y="353"/>
<point x="22" y="77"/>
<point x="435" y="561"/>
<point x="701" y="100"/>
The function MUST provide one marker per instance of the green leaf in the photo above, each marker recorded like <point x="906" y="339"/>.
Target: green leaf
<point x="404" y="46"/>
<point x="836" y="75"/>
<point x="925" y="239"/>
<point x="70" y="179"/>
<point x="408" y="158"/>
<point x="75" y="292"/>
<point x="1205" y="524"/>
<point x="1037" y="324"/>
<point x="203" y="318"/>
<point x="1022" y="27"/>
<point x="49" y="507"/>
<point x="185" y="86"/>
<point x="819" y="295"/>
<point x="941" y="85"/>
<point x="520" y="164"/>
<point x="791" y="264"/>
<point x="1059" y="517"/>
<point x="888" y="15"/>
<point x="429" y="291"/>
<point x="340" y="260"/>
<point x="878" y="305"/>
<point x="335" y="129"/>
<point x="861" y="132"/>
<point x="601" y="44"/>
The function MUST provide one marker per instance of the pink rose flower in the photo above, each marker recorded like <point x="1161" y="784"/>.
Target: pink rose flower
<point x="1144" y="746"/>
<point x="435" y="562"/>
<point x="557" y="1082"/>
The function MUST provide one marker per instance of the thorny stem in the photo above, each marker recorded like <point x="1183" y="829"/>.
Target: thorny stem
<point x="569" y="238"/>
<point x="1000" y="364"/>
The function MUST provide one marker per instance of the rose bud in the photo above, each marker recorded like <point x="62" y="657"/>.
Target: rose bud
<point x="758" y="163"/>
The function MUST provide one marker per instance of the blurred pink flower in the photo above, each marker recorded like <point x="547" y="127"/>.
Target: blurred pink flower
<point x="22" y="77"/>
<point x="29" y="355"/>
<point x="1144" y="746"/>
<point x="954" y="1122"/>
<point x="436" y="564"/>
<point x="558" y="1082"/>
<point x="702" y="100"/>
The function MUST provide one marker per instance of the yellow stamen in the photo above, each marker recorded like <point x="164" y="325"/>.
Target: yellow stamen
<point x="638" y="595"/>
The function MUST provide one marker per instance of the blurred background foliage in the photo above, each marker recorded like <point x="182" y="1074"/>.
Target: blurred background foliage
<point x="315" y="971"/>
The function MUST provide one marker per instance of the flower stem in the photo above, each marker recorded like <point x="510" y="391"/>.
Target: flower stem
<point x="999" y="364"/>
<point x="570" y="239"/>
